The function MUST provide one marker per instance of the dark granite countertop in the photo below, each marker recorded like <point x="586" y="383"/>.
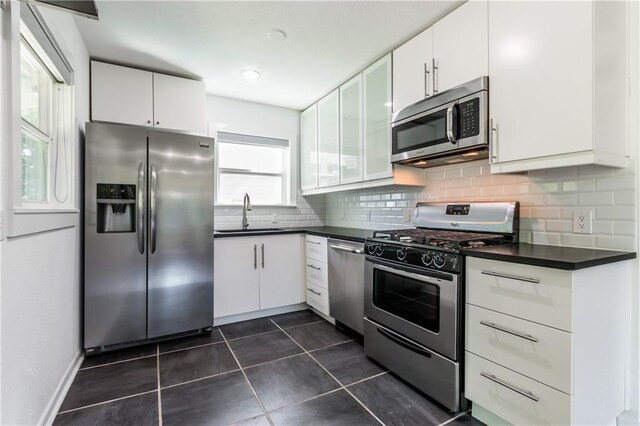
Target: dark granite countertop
<point x="568" y="258"/>
<point x="351" y="234"/>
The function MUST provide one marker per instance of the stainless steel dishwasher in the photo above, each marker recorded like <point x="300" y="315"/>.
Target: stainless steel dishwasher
<point x="346" y="283"/>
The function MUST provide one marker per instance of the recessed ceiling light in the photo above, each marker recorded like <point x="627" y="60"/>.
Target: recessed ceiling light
<point x="277" y="35"/>
<point x="250" y="74"/>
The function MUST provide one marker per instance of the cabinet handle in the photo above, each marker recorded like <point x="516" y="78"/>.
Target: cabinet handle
<point x="148" y="121"/>
<point x="157" y="122"/>
<point x="262" y="248"/>
<point x="494" y="379"/>
<point x="434" y="67"/>
<point x="313" y="267"/>
<point x="511" y="277"/>
<point x="508" y="331"/>
<point x="255" y="256"/>
<point x="492" y="151"/>
<point x="317" y="293"/>
<point x="426" y="80"/>
<point x="314" y="242"/>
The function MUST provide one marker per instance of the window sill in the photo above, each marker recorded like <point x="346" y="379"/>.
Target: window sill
<point x="33" y="221"/>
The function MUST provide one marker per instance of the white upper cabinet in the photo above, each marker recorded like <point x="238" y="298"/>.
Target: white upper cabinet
<point x="351" y="130"/>
<point x="179" y="103"/>
<point x="558" y="97"/>
<point x="377" y="119"/>
<point x="328" y="140"/>
<point x="460" y="46"/>
<point x="309" y="148"/>
<point x="132" y="96"/>
<point x="121" y="94"/>
<point x="412" y="64"/>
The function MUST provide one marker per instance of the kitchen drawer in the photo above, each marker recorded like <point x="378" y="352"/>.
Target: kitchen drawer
<point x="317" y="248"/>
<point x="537" y="294"/>
<point x="507" y="400"/>
<point x="317" y="273"/>
<point x="547" y="360"/>
<point x="318" y="298"/>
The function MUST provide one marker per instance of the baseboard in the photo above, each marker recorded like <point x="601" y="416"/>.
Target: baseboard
<point x="49" y="414"/>
<point x="259" y="314"/>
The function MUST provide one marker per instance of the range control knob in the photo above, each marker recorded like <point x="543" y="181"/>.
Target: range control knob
<point x="379" y="250"/>
<point x="427" y="259"/>
<point x="401" y="253"/>
<point x="438" y="261"/>
<point x="371" y="249"/>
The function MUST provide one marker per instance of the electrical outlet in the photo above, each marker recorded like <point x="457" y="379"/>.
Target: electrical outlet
<point x="407" y="215"/>
<point x="582" y="221"/>
<point x="274" y="218"/>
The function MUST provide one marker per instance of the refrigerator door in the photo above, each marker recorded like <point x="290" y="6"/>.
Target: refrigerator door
<point x="180" y="268"/>
<point x="115" y="268"/>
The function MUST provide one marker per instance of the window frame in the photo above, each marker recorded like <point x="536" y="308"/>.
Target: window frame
<point x="286" y="174"/>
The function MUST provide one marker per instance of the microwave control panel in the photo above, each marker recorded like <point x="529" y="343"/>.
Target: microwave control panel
<point x="469" y="121"/>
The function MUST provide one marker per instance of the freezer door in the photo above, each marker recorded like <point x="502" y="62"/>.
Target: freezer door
<point x="115" y="267"/>
<point x="180" y="284"/>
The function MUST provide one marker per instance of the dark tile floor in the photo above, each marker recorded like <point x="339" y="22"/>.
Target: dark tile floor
<point x="290" y="369"/>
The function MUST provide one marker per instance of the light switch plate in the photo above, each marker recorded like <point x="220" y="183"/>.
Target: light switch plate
<point x="582" y="221"/>
<point x="407" y="215"/>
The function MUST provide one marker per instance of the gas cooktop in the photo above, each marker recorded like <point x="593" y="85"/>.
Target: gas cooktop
<point x="451" y="240"/>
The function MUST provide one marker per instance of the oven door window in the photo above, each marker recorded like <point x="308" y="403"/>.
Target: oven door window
<point x="422" y="132"/>
<point x="410" y="299"/>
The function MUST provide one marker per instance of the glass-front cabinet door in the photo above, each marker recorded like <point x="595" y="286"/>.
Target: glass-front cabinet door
<point x="377" y="119"/>
<point x="309" y="148"/>
<point x="351" y="169"/>
<point x="328" y="140"/>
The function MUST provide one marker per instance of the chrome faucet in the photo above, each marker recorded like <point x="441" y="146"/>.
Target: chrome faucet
<point x="246" y="206"/>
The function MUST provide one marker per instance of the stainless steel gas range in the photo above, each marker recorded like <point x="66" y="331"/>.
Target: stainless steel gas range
<point x="414" y="291"/>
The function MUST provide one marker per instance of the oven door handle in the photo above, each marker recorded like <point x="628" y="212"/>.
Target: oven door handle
<point x="418" y="277"/>
<point x="404" y="342"/>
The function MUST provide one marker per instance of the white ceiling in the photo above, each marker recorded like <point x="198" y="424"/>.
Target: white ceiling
<point x="327" y="42"/>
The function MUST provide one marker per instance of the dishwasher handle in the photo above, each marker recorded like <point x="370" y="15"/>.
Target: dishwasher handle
<point x="347" y="249"/>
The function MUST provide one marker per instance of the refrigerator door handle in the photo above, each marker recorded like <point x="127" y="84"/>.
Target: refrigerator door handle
<point x="140" y="208"/>
<point x="152" y="208"/>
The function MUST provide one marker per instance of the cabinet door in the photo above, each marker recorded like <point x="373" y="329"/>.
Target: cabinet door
<point x="309" y="148"/>
<point x="179" y="104"/>
<point x="351" y="130"/>
<point x="461" y="46"/>
<point x="236" y="282"/>
<point x="541" y="78"/>
<point x="281" y="270"/>
<point x="328" y="140"/>
<point x="412" y="63"/>
<point x="121" y="94"/>
<point x="377" y="119"/>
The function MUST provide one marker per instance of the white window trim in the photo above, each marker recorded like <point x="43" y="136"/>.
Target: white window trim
<point x="18" y="217"/>
<point x="288" y="183"/>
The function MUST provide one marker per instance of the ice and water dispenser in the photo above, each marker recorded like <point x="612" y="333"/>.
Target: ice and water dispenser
<point x="116" y="208"/>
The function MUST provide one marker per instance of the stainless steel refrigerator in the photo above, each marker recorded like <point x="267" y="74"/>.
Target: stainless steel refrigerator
<point x="148" y="235"/>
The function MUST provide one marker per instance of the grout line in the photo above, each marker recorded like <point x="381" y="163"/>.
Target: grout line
<point x="252" y="335"/>
<point x="332" y="376"/>
<point x="105" y="402"/>
<point x="296" y="326"/>
<point x="264" y="410"/>
<point x="116" y="362"/>
<point x="455" y="417"/>
<point x="200" y="378"/>
<point x="190" y="347"/>
<point x="159" y="388"/>
<point x="368" y="378"/>
<point x="331" y="346"/>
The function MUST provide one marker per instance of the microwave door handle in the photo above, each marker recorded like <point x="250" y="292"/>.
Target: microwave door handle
<point x="452" y="115"/>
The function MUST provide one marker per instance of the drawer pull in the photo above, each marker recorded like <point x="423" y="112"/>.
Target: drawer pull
<point x="314" y="242"/>
<point x="313" y="267"/>
<point x="511" y="277"/>
<point x="508" y="386"/>
<point x="317" y="293"/>
<point x="506" y="330"/>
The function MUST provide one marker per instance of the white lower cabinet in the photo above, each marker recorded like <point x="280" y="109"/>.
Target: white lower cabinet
<point x="545" y="346"/>
<point x="255" y="273"/>
<point x="317" y="273"/>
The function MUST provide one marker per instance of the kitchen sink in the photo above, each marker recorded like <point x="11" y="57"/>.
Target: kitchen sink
<point x="248" y="230"/>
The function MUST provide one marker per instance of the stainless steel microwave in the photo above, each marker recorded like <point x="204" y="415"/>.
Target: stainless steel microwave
<point x="450" y="127"/>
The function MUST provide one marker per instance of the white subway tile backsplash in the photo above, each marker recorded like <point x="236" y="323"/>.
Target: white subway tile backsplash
<point x="547" y="199"/>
